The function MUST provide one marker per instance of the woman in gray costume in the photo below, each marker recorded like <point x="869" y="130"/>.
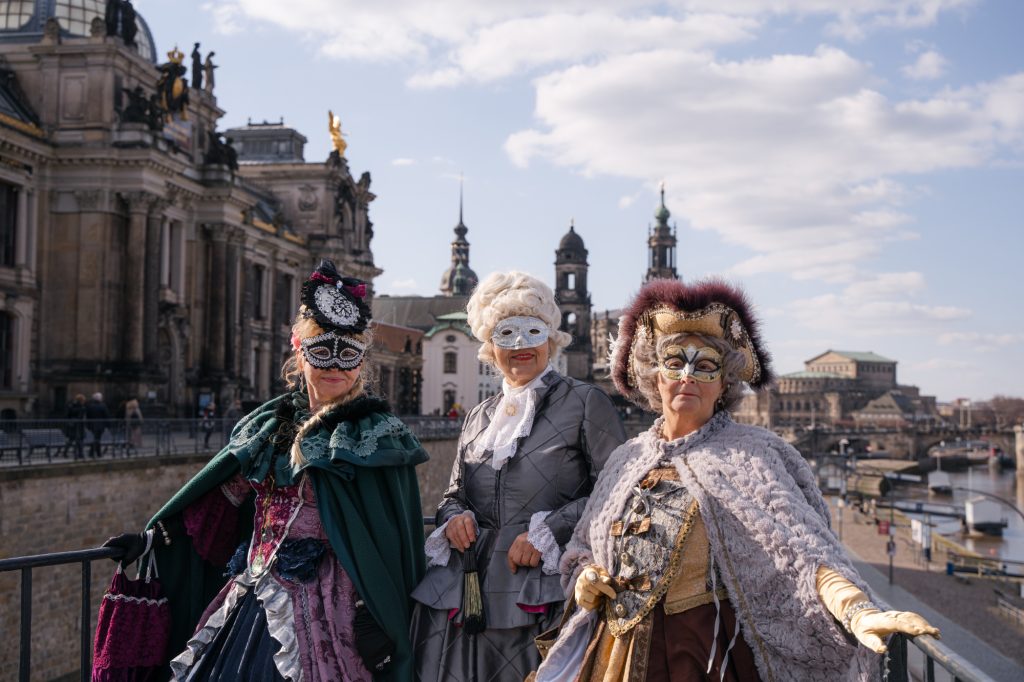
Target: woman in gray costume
<point x="527" y="458"/>
<point x="705" y="550"/>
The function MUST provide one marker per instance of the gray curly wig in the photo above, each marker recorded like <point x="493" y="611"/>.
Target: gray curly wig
<point x="645" y="365"/>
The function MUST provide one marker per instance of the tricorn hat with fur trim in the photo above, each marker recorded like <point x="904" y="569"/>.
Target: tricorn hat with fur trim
<point x="712" y="307"/>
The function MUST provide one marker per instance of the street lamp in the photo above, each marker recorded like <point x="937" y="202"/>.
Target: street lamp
<point x="842" y="485"/>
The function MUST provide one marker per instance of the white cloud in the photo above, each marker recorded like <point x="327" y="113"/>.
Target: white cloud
<point x="932" y="364"/>
<point x="928" y="66"/>
<point x="629" y="199"/>
<point x="981" y="341"/>
<point x="227" y="18"/>
<point x="450" y="41"/>
<point x="402" y="285"/>
<point x="403" y="162"/>
<point x="522" y="44"/>
<point x="875" y="305"/>
<point x="792" y="156"/>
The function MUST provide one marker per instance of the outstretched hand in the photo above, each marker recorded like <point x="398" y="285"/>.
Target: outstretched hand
<point x="871" y="627"/>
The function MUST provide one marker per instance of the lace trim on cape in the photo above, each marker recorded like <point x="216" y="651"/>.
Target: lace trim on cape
<point x="366" y="444"/>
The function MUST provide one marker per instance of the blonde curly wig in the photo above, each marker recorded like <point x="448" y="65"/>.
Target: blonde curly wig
<point x="291" y="372"/>
<point x="507" y="294"/>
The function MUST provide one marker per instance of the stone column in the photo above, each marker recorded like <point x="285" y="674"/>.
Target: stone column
<point x="165" y="255"/>
<point x="151" y="284"/>
<point x="217" y="300"/>
<point x="233" y="292"/>
<point x="21" y="229"/>
<point x="139" y="205"/>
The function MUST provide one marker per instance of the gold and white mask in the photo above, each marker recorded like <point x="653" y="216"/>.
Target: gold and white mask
<point x="704" y="364"/>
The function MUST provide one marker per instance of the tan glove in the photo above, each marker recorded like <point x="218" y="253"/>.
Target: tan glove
<point x="869" y="624"/>
<point x="592" y="586"/>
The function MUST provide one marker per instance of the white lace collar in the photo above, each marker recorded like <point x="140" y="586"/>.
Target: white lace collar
<point x="512" y="419"/>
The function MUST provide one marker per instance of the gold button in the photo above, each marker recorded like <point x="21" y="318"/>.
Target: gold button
<point x="620" y="610"/>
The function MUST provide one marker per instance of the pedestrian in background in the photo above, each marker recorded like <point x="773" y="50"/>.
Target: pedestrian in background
<point x="98" y="416"/>
<point x="75" y="430"/>
<point x="133" y="423"/>
<point x="206" y="416"/>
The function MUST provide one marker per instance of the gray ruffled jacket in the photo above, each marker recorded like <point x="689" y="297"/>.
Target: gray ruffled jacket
<point x="575" y="429"/>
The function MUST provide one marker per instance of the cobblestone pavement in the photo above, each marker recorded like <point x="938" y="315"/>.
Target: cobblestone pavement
<point x="970" y="603"/>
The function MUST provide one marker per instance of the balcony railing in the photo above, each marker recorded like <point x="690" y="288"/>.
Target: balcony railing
<point x="927" y="659"/>
<point x="35" y="441"/>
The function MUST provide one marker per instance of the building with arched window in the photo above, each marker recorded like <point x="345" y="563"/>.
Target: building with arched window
<point x="141" y="254"/>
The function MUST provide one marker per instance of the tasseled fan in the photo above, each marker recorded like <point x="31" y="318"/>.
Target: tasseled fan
<point x="473" y="621"/>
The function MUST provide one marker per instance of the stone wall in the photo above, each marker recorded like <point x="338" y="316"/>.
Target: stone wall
<point x="74" y="506"/>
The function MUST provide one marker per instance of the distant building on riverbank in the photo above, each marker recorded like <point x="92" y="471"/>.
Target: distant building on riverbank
<point x="840" y="388"/>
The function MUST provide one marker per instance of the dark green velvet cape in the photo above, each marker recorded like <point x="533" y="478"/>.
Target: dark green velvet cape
<point x="367" y="495"/>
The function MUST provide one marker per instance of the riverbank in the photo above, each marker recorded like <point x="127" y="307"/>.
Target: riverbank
<point x="968" y="602"/>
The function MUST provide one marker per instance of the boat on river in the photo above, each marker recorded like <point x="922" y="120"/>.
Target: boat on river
<point x="983" y="516"/>
<point x="960" y="454"/>
<point x="939" y="483"/>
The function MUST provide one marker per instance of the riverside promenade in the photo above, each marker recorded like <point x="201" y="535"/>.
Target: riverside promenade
<point x="963" y="609"/>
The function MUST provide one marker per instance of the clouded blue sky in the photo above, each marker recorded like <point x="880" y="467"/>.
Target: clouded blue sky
<point x="856" y="164"/>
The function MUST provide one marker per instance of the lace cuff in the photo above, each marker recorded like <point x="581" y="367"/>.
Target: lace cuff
<point x="436" y="546"/>
<point x="543" y="540"/>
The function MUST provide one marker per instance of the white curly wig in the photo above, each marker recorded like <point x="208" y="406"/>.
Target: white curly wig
<point x="507" y="294"/>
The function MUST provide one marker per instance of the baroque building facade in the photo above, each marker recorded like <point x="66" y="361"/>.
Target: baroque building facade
<point x="141" y="255"/>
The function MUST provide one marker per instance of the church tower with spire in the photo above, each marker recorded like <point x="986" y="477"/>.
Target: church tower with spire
<point x="459" y="279"/>
<point x="661" y="245"/>
<point x="574" y="303"/>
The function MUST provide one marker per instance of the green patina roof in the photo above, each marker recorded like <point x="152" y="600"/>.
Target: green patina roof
<point x="456" y="321"/>
<point x="813" y="375"/>
<point x="860" y="356"/>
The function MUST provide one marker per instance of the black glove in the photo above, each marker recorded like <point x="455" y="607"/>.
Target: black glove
<point x="373" y="644"/>
<point x="132" y="545"/>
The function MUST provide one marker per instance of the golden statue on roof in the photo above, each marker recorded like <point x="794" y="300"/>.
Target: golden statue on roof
<point x="337" y="137"/>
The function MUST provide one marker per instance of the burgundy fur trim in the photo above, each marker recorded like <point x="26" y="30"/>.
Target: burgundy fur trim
<point x="686" y="297"/>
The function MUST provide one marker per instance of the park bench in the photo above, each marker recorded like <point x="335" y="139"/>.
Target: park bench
<point x="47" y="439"/>
<point x="10" y="442"/>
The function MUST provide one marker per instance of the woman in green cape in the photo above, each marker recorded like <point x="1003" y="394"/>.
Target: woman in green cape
<point x="313" y="510"/>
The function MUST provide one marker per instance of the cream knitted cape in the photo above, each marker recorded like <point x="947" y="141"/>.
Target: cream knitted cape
<point x="769" y="531"/>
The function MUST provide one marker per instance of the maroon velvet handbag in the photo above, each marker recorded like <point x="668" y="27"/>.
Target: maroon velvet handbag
<point x="133" y="628"/>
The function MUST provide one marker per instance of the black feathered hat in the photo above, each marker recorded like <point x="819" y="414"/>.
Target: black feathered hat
<point x="335" y="302"/>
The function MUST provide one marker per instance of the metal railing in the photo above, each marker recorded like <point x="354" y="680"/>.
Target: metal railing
<point x="917" y="662"/>
<point x="26" y="442"/>
<point x="25" y="565"/>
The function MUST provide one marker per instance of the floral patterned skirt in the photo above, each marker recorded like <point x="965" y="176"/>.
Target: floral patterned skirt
<point x="290" y="623"/>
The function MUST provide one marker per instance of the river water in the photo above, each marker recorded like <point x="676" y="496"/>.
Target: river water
<point x="1005" y="484"/>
